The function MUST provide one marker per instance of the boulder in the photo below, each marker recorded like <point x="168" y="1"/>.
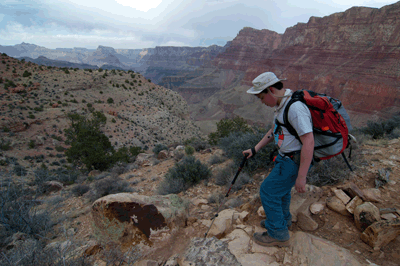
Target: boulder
<point x="372" y="194"/>
<point x="222" y="224"/>
<point x="52" y="186"/>
<point x="301" y="202"/>
<point x="381" y="233"/>
<point x="94" y="173"/>
<point x="130" y="218"/>
<point x="365" y="215"/>
<point x="353" y="204"/>
<point x="144" y="159"/>
<point x="208" y="252"/>
<point x="317" y="207"/>
<point x="335" y="204"/>
<point x="341" y="195"/>
<point x="305" y="222"/>
<point x="162" y="155"/>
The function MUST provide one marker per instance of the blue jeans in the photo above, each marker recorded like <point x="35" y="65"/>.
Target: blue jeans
<point x="275" y="197"/>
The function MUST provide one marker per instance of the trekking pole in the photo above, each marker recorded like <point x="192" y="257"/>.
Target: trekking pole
<point x="227" y="194"/>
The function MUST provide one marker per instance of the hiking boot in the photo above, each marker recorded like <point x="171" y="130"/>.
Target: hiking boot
<point x="264" y="239"/>
<point x="290" y="227"/>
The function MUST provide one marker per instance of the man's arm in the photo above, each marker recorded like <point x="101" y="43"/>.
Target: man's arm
<point x="306" y="157"/>
<point x="264" y="141"/>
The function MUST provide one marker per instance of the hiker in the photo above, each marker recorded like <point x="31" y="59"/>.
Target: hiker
<point x="291" y="164"/>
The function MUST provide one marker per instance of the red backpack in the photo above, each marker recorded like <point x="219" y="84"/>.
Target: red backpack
<point x="331" y="124"/>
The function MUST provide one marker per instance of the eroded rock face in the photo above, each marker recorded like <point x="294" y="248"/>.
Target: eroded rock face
<point x="133" y="219"/>
<point x="351" y="55"/>
<point x="381" y="233"/>
<point x="365" y="215"/>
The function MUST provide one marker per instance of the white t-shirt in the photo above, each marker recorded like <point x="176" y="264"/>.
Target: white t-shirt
<point x="299" y="117"/>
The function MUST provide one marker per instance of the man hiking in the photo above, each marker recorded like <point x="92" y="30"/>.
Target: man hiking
<point x="291" y="164"/>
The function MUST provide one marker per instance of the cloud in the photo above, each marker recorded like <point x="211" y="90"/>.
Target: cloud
<point x="145" y="24"/>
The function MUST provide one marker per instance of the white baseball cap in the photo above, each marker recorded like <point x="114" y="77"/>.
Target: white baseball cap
<point x="263" y="81"/>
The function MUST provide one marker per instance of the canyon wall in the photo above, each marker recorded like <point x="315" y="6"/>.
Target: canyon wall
<point x="352" y="55"/>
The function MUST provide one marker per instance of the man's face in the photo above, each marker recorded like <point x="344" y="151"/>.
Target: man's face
<point x="267" y="99"/>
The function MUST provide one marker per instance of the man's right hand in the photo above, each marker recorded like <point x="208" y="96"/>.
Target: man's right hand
<point x="248" y="153"/>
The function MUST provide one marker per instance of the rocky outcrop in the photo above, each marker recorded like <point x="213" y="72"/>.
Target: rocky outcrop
<point x="135" y="219"/>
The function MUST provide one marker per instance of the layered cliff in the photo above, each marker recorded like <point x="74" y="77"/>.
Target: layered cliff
<point x="353" y="55"/>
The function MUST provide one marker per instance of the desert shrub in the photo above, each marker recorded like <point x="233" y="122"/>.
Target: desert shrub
<point x="395" y="133"/>
<point x="89" y="145"/>
<point x="189" y="150"/>
<point x="215" y="198"/>
<point x="20" y="170"/>
<point x="227" y="126"/>
<point x="80" y="189"/>
<point x="225" y="176"/>
<point x="26" y="74"/>
<point x="328" y="172"/>
<point x="42" y="175"/>
<point x="170" y="186"/>
<point x="381" y="129"/>
<point x="184" y="174"/>
<point x="107" y="186"/>
<point x="135" y="150"/>
<point x="197" y="143"/>
<point x="236" y="142"/>
<point x="158" y="148"/>
<point x="216" y="159"/>
<point x="18" y="213"/>
<point x="34" y="252"/>
<point x="110" y="100"/>
<point x="31" y="144"/>
<point x="5" y="145"/>
<point x="60" y="148"/>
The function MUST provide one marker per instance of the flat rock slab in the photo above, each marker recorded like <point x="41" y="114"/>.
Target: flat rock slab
<point x="208" y="252"/>
<point x="311" y="250"/>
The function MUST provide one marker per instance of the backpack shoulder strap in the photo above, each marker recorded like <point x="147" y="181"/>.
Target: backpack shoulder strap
<point x="295" y="97"/>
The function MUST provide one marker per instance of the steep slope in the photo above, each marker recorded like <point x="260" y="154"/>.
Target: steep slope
<point x="35" y="100"/>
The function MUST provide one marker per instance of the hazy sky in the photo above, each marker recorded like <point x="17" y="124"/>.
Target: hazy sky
<point x="150" y="23"/>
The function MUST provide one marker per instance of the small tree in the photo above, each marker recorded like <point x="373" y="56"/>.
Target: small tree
<point x="89" y="146"/>
<point x="227" y="126"/>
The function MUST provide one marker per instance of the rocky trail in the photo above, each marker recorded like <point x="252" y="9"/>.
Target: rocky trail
<point x="331" y="225"/>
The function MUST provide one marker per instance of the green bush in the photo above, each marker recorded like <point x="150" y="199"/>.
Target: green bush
<point x="184" y="174"/>
<point x="227" y="126"/>
<point x="197" y="143"/>
<point x="80" y="189"/>
<point x="110" y="100"/>
<point x="189" y="150"/>
<point x="18" y="214"/>
<point x="109" y="186"/>
<point x="235" y="143"/>
<point x="89" y="145"/>
<point x="26" y="74"/>
<point x="135" y="150"/>
<point x="225" y="176"/>
<point x="20" y="170"/>
<point x="5" y="145"/>
<point x="31" y="144"/>
<point x="381" y="129"/>
<point x="158" y="148"/>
